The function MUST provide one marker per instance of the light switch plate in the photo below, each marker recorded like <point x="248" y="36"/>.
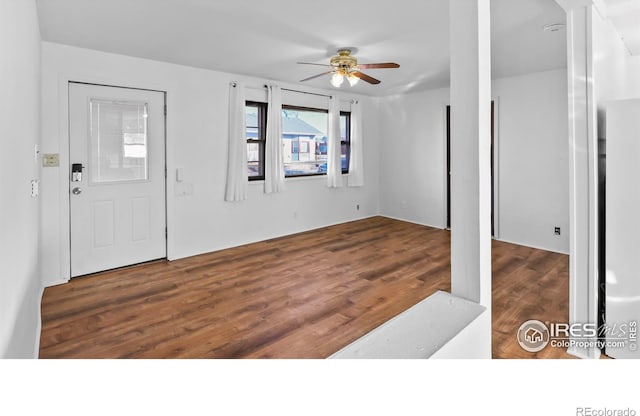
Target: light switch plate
<point x="50" y="160"/>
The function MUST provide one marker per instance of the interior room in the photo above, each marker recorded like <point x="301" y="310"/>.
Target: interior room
<point x="417" y="185"/>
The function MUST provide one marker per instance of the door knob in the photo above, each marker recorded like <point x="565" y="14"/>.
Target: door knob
<point x="76" y="191"/>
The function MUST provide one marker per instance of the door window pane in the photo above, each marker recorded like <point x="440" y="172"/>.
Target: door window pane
<point x="118" y="141"/>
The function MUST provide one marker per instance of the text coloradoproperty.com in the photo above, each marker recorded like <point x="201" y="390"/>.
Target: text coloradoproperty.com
<point x="590" y="411"/>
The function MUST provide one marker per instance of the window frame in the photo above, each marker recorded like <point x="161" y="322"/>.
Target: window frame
<point x="309" y="109"/>
<point x="262" y="137"/>
<point x="347" y="140"/>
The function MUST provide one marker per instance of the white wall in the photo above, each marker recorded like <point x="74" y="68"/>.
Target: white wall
<point x="532" y="158"/>
<point x="197" y="124"/>
<point x="20" y="288"/>
<point x="616" y="73"/>
<point x="412" y="164"/>
<point x="616" y="76"/>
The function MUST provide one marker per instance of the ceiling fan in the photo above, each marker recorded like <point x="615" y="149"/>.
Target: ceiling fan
<point x="344" y="65"/>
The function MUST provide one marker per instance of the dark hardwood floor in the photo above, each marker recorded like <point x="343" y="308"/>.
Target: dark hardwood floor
<point x="301" y="296"/>
<point x="527" y="284"/>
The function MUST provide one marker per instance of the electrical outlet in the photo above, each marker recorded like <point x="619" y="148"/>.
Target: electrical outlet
<point x="35" y="188"/>
<point x="556" y="230"/>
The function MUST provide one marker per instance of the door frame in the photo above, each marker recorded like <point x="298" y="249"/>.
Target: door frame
<point x="64" y="206"/>
<point x="495" y="192"/>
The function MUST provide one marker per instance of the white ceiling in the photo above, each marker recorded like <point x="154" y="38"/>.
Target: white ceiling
<point x="266" y="38"/>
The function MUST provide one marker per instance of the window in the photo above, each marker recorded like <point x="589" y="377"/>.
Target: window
<point x="304" y="136"/>
<point x="304" y="140"/>
<point x="345" y="140"/>
<point x="118" y="141"/>
<point x="256" y="131"/>
<point x="304" y="131"/>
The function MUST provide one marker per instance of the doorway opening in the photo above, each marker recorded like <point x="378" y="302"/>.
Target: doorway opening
<point x="448" y="168"/>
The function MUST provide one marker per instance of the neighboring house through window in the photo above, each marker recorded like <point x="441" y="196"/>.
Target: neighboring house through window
<point x="304" y="137"/>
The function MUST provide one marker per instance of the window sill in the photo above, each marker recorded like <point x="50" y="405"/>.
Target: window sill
<point x="297" y="178"/>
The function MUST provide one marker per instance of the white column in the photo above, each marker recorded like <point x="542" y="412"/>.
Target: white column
<point x="583" y="172"/>
<point x="470" y="45"/>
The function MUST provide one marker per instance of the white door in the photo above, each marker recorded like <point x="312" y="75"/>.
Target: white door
<point x="116" y="177"/>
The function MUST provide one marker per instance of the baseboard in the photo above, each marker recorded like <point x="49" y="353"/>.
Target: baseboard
<point x="532" y="246"/>
<point x="56" y="283"/>
<point x="23" y="340"/>
<point x="244" y="243"/>
<point x="439" y="227"/>
<point x="36" y="348"/>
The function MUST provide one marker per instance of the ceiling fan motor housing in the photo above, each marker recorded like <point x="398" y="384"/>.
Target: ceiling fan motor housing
<point x="344" y="60"/>
<point x="345" y="65"/>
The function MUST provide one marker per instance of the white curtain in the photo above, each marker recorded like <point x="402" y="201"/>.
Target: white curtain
<point x="356" y="158"/>
<point x="334" y="163"/>
<point x="237" y="175"/>
<point x="274" y="163"/>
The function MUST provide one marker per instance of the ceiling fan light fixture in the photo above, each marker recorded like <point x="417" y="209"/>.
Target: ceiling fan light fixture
<point x="337" y="79"/>
<point x="353" y="80"/>
<point x="345" y="65"/>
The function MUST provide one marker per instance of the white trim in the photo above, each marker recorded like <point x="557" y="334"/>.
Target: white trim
<point x="438" y="227"/>
<point x="391" y="217"/>
<point x="64" y="225"/>
<point x="502" y="240"/>
<point x="445" y="185"/>
<point x="261" y="240"/>
<point x="56" y="282"/>
<point x="569" y="5"/>
<point x="36" y="348"/>
<point x="298" y="178"/>
<point x="496" y="167"/>
<point x="583" y="237"/>
<point x="592" y="181"/>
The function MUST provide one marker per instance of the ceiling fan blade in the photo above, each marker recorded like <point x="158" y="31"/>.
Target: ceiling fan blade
<point x="316" y="76"/>
<point x="366" y="77"/>
<point x="379" y="66"/>
<point x="311" y="63"/>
